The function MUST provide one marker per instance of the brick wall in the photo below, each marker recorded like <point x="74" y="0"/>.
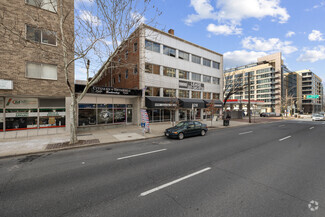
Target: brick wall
<point x="15" y="52"/>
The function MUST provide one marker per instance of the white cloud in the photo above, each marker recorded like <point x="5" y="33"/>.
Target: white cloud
<point x="312" y="55"/>
<point x="234" y="11"/>
<point x="321" y="4"/>
<point x="290" y="34"/>
<point x="224" y="29"/>
<point x="272" y="44"/>
<point x="138" y="18"/>
<point x="88" y="17"/>
<point x="241" y="57"/>
<point x="316" y="35"/>
<point x="203" y="9"/>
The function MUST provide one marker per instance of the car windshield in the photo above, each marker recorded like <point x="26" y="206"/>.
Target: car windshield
<point x="317" y="115"/>
<point x="181" y="124"/>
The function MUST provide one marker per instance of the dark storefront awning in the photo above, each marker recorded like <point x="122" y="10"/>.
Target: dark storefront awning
<point x="161" y="102"/>
<point x="217" y="103"/>
<point x="191" y="103"/>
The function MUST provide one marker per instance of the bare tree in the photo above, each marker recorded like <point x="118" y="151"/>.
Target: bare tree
<point x="233" y="84"/>
<point x="102" y="29"/>
<point x="211" y="109"/>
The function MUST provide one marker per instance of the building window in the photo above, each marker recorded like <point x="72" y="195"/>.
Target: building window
<point x="169" y="72"/>
<point x="126" y="54"/>
<point x="135" y="47"/>
<point x="184" y="75"/>
<point x="216" y="65"/>
<point x="135" y="69"/>
<point x="40" y="35"/>
<point x="152" y="46"/>
<point x="206" y="95"/>
<point x="206" y="79"/>
<point x="151" y="68"/>
<point x="183" y="94"/>
<point x="169" y="51"/>
<point x="41" y="71"/>
<point x="119" y="78"/>
<point x="196" y="77"/>
<point x="169" y="92"/>
<point x="206" y="62"/>
<point x="215" y="96"/>
<point x="196" y="94"/>
<point x="152" y="91"/>
<point x="50" y="5"/>
<point x="113" y="80"/>
<point x="183" y="55"/>
<point x="126" y="74"/>
<point x="216" y="80"/>
<point x="196" y="59"/>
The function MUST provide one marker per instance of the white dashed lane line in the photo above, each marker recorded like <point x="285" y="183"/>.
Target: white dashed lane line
<point x="284" y="138"/>
<point x="311" y="128"/>
<point x="145" y="153"/>
<point x="173" y="182"/>
<point x="245" y="132"/>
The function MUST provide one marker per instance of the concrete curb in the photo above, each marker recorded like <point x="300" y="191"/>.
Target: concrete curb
<point x="116" y="142"/>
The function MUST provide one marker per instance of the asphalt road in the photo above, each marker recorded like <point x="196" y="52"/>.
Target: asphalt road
<point x="262" y="170"/>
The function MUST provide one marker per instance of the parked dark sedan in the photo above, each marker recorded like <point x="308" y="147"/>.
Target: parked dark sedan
<point x="185" y="129"/>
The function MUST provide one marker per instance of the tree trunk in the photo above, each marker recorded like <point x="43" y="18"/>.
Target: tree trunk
<point x="73" y="120"/>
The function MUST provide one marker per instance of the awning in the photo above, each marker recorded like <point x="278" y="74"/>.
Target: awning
<point x="217" y="103"/>
<point x="191" y="103"/>
<point x="161" y="102"/>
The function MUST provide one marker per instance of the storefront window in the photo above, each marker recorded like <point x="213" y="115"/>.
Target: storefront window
<point x="51" y="117"/>
<point x="198" y="114"/>
<point x="149" y="112"/>
<point x="166" y="114"/>
<point x="156" y="115"/>
<point x="196" y="94"/>
<point x="182" y="115"/>
<point x="105" y="113"/>
<point x="87" y="114"/>
<point x="21" y="119"/>
<point x="169" y="92"/>
<point x="215" y="96"/>
<point x="119" y="115"/>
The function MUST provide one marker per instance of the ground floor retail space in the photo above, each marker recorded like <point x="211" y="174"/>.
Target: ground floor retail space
<point x="22" y="113"/>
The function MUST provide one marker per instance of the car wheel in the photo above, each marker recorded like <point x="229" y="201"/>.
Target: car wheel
<point x="181" y="136"/>
<point x="203" y="132"/>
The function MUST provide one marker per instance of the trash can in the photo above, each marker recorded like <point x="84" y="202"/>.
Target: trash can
<point x="225" y="122"/>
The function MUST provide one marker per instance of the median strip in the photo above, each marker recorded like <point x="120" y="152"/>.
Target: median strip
<point x="245" y="132"/>
<point x="173" y="182"/>
<point x="145" y="153"/>
<point x="284" y="138"/>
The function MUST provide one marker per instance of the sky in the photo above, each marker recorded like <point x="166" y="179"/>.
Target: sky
<point x="243" y="30"/>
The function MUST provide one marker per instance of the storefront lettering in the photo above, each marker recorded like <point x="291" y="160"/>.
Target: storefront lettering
<point x="25" y="114"/>
<point x="21" y="102"/>
<point x="191" y="85"/>
<point x="195" y="105"/>
<point x="165" y="104"/>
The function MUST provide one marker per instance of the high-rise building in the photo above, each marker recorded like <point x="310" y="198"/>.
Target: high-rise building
<point x="32" y="82"/>
<point x="311" y="91"/>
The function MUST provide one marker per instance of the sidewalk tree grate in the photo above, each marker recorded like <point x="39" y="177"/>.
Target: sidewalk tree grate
<point x="66" y="144"/>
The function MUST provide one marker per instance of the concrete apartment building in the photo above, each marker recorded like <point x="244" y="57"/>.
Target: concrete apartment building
<point x="178" y="77"/>
<point x="311" y="85"/>
<point x="266" y="84"/>
<point x="32" y="83"/>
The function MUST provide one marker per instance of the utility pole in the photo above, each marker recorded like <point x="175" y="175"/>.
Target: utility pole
<point x="249" y="98"/>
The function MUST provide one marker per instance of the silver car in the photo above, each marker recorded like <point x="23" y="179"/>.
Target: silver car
<point x="317" y="117"/>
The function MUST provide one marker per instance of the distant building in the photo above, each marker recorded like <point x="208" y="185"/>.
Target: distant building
<point x="266" y="84"/>
<point x="311" y="85"/>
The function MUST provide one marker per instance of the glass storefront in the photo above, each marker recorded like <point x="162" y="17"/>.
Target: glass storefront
<point x="1" y="120"/>
<point x="21" y="119"/>
<point x="51" y="117"/>
<point x="161" y="115"/>
<point x="97" y="114"/>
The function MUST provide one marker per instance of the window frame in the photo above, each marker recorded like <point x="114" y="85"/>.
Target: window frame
<point x="42" y="64"/>
<point x="195" y="56"/>
<point x="215" y="66"/>
<point x="179" y="52"/>
<point x="41" y="36"/>
<point x="206" y="60"/>
<point x="55" y="9"/>
<point x="169" y="49"/>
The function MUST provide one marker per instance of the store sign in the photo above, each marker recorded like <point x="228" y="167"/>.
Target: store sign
<point x="191" y="85"/>
<point x="108" y="90"/>
<point x="6" y="84"/>
<point x="195" y="105"/>
<point x="13" y="102"/>
<point x="165" y="105"/>
<point x="21" y="114"/>
<point x="51" y="114"/>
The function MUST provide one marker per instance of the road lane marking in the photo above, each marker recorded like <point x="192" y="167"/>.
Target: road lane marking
<point x="311" y="128"/>
<point x="145" y="153"/>
<point x="282" y="125"/>
<point x="245" y="132"/>
<point x="284" y="138"/>
<point x="173" y="182"/>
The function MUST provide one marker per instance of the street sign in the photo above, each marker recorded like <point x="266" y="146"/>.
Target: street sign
<point x="312" y="96"/>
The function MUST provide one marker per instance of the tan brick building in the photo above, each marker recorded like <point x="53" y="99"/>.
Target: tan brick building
<point x="33" y="90"/>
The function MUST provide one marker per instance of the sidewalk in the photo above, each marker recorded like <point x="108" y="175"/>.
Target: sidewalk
<point x="35" y="144"/>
